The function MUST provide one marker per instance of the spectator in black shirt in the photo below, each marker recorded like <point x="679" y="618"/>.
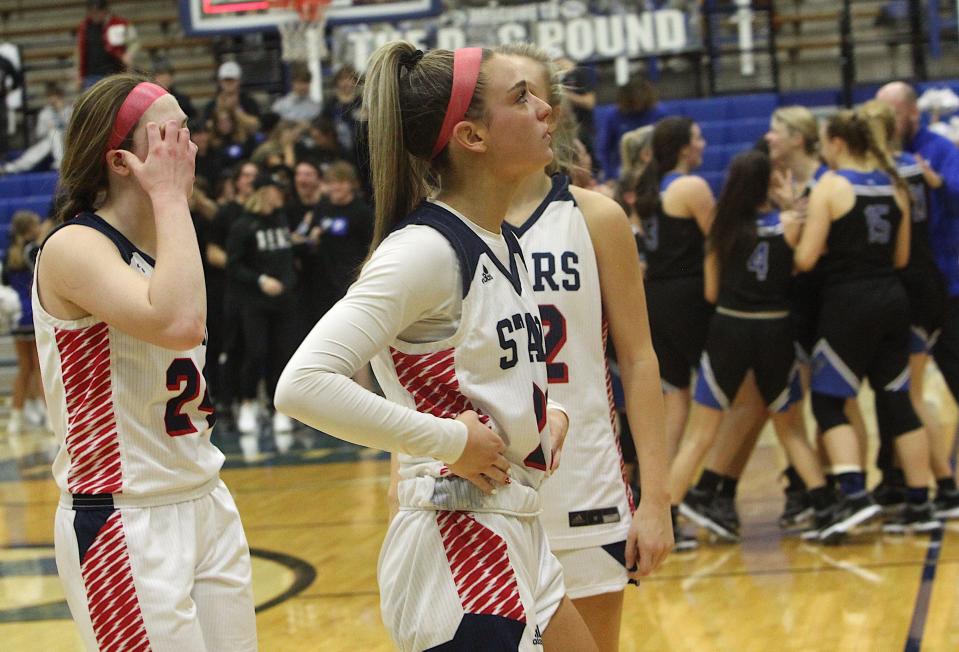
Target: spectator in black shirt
<point x="231" y="135"/>
<point x="224" y="341"/>
<point x="580" y="89"/>
<point x="343" y="109"/>
<point x="209" y="160"/>
<point x="260" y="266"/>
<point x="307" y="193"/>
<point x="343" y="227"/>
<point x="320" y="144"/>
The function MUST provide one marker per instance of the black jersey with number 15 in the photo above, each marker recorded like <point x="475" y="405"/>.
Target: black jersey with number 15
<point x="861" y="242"/>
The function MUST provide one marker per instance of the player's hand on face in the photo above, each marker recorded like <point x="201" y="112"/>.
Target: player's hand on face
<point x="558" y="427"/>
<point x="650" y="539"/>
<point x="170" y="163"/>
<point x="482" y="461"/>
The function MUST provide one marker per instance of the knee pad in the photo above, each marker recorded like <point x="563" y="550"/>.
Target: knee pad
<point x="895" y="414"/>
<point x="830" y="411"/>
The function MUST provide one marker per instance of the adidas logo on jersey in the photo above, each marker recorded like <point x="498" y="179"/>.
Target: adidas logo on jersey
<point x="537" y="636"/>
<point x="487" y="277"/>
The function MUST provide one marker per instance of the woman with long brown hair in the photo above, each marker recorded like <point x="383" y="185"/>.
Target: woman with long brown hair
<point x="149" y="544"/>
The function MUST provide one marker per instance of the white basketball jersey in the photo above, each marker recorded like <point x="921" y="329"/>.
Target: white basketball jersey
<point x="492" y="364"/>
<point x="131" y="417"/>
<point x="587" y="502"/>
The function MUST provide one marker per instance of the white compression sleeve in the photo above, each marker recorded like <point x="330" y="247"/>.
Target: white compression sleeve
<point x="413" y="276"/>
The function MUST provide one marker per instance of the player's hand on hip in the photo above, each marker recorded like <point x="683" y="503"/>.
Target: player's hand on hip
<point x="170" y="163"/>
<point x="649" y="540"/>
<point x="482" y="461"/>
<point x="558" y="423"/>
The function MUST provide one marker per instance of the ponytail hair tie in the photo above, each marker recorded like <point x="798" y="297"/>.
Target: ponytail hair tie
<point x="410" y="59"/>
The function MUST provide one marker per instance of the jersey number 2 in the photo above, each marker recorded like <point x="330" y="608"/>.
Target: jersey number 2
<point x="177" y="423"/>
<point x="554" y="334"/>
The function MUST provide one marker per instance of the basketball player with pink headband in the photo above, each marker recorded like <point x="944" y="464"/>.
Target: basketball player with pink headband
<point x="149" y="545"/>
<point x="444" y="309"/>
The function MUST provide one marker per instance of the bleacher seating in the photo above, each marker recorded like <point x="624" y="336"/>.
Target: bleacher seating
<point x="32" y="191"/>
<point x="730" y="124"/>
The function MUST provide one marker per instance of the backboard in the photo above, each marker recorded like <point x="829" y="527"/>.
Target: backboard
<point x="207" y="17"/>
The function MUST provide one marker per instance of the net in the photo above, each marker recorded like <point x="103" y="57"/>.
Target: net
<point x="303" y="32"/>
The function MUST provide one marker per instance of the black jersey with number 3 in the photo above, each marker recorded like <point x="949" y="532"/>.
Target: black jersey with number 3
<point x="758" y="274"/>
<point x="673" y="245"/>
<point x="861" y="243"/>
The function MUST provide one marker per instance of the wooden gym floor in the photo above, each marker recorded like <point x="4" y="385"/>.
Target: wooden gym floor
<point x="315" y="518"/>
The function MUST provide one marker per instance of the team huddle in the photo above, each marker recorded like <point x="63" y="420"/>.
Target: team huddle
<point x="492" y="290"/>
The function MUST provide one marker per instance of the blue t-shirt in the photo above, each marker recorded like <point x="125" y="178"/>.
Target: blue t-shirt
<point x="943" y="157"/>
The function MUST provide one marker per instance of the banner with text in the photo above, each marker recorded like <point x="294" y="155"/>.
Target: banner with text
<point x="583" y="31"/>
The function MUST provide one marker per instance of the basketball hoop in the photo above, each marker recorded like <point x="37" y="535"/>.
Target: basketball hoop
<point x="303" y="35"/>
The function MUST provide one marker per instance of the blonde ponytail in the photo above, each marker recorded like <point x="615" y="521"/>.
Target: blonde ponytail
<point x="405" y="95"/>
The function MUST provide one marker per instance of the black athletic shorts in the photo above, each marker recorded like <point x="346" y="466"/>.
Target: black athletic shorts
<point x="678" y="322"/>
<point x="863" y="333"/>
<point x="737" y="344"/>
<point x="926" y="292"/>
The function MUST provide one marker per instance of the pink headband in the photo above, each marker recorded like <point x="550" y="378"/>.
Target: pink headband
<point x="466" y="69"/>
<point x="134" y="106"/>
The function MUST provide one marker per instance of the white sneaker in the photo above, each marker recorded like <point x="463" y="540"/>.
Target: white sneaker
<point x="15" y="423"/>
<point x="282" y="423"/>
<point x="247" y="421"/>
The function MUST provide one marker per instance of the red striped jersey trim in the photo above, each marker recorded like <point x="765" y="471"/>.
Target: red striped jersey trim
<point x="614" y="420"/>
<point x="480" y="565"/>
<point x="91" y="439"/>
<point x="111" y="595"/>
<point x="430" y="378"/>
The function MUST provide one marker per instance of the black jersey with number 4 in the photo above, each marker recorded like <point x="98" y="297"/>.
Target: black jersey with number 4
<point x="861" y="243"/>
<point x="758" y="274"/>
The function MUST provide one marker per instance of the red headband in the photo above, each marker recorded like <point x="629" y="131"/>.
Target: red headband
<point x="466" y="69"/>
<point x="134" y="106"/>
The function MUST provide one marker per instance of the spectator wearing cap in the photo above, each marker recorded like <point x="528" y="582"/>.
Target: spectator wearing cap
<point x="297" y="105"/>
<point x="260" y="268"/>
<point x="163" y="73"/>
<point x="230" y="96"/>
<point x="106" y="44"/>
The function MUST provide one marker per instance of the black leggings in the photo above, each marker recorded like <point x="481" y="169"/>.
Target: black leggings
<point x="269" y="338"/>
